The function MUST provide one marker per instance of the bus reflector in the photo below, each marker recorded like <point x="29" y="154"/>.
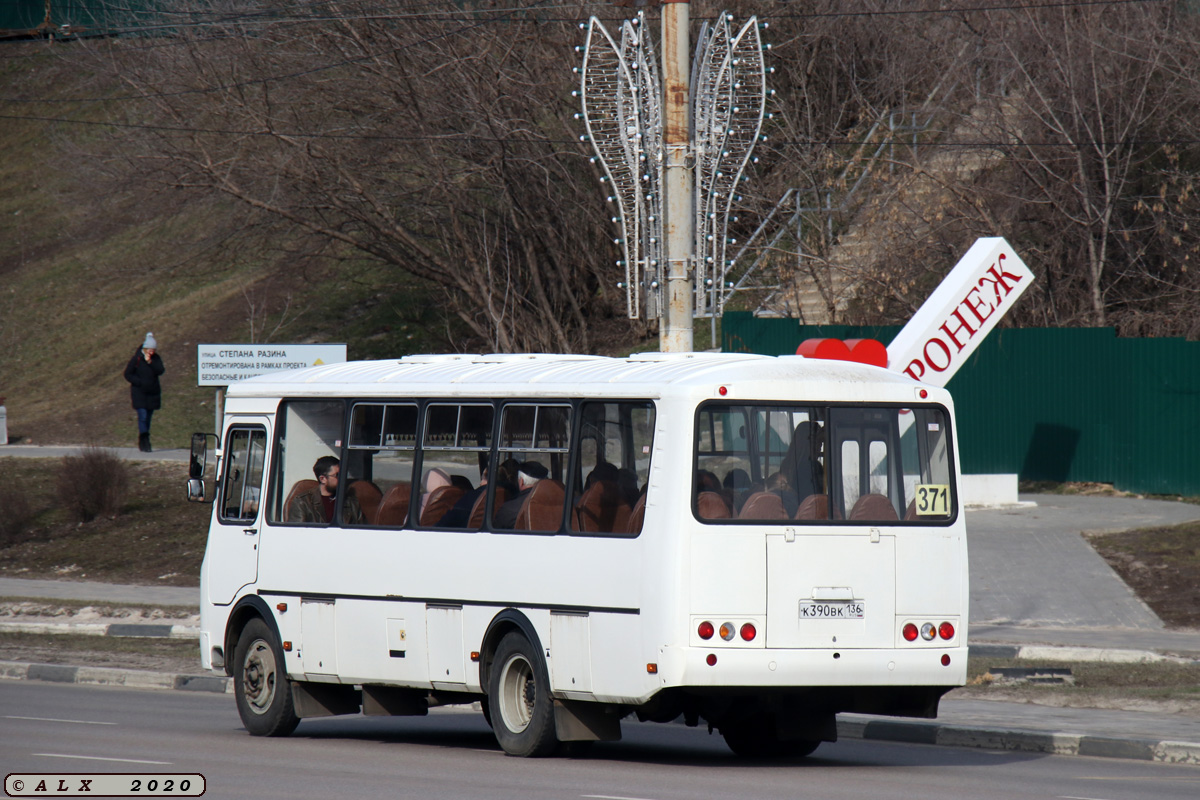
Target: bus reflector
<point x="282" y="607"/>
<point x="946" y="630"/>
<point x="705" y="630"/>
<point x="945" y="659"/>
<point x="910" y="632"/>
<point x="287" y="647"/>
<point x="711" y="660"/>
<point x="749" y="632"/>
<point x="652" y="669"/>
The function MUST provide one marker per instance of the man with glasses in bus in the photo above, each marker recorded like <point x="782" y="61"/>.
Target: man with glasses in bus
<point x="317" y="504"/>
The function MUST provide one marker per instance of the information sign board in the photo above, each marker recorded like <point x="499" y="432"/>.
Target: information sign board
<point x="223" y="364"/>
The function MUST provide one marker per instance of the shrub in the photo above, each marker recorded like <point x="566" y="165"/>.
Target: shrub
<point x="16" y="515"/>
<point x="93" y="484"/>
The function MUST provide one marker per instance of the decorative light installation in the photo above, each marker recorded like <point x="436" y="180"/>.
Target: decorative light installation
<point x="623" y="112"/>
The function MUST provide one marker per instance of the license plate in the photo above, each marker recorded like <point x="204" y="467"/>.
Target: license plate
<point x="817" y="609"/>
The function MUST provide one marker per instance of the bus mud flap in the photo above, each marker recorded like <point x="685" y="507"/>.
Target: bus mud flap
<point x="324" y="699"/>
<point x="388" y="701"/>
<point x="579" y="721"/>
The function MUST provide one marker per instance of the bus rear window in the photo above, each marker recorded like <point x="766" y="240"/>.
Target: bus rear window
<point x="876" y="464"/>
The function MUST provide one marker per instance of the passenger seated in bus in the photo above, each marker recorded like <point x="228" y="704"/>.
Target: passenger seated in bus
<point x="627" y="483"/>
<point x="435" y="478"/>
<point x="604" y="471"/>
<point x="778" y="484"/>
<point x="506" y="476"/>
<point x="461" y="482"/>
<point x="737" y="484"/>
<point x="711" y="501"/>
<point x="317" y="503"/>
<point x="460" y="513"/>
<point x="527" y="477"/>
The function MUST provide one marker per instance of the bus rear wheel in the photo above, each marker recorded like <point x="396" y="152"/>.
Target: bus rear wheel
<point x="260" y="683"/>
<point x="756" y="737"/>
<point x="522" y="710"/>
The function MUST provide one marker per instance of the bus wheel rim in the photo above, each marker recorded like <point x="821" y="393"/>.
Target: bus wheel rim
<point x="518" y="693"/>
<point x="259" y="677"/>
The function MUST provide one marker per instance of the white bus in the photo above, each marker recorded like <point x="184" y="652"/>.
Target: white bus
<point x="753" y="542"/>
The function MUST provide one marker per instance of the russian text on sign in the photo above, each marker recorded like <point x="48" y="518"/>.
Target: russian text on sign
<point x="965" y="307"/>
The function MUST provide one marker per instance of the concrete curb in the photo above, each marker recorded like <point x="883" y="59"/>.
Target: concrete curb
<point x="108" y="676"/>
<point x="849" y="726"/>
<point x="1046" y="652"/>
<point x="103" y="629"/>
<point x="1059" y="743"/>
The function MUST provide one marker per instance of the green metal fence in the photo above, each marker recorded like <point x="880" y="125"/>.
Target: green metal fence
<point x="22" y="18"/>
<point x="1063" y="404"/>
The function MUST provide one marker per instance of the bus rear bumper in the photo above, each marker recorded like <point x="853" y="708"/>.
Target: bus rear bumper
<point x="697" y="667"/>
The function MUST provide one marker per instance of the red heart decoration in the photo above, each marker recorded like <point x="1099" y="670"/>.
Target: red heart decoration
<point x="862" y="351"/>
<point x="868" y="351"/>
<point x="834" y="349"/>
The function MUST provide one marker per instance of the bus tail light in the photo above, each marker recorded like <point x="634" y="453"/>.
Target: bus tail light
<point x="928" y="632"/>
<point x="749" y="632"/>
<point x="946" y="630"/>
<point x="728" y="631"/>
<point x="705" y="630"/>
<point x="910" y="632"/>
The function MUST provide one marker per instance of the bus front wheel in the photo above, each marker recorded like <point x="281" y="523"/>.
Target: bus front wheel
<point x="260" y="683"/>
<point x="522" y="710"/>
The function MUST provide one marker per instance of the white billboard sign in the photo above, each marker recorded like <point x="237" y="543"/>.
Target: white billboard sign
<point x="961" y="312"/>
<point x="223" y="364"/>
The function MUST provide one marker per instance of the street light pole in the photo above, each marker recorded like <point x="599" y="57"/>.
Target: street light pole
<point x="678" y="212"/>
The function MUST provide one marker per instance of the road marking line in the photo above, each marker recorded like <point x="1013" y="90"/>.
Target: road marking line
<point x="1071" y="797"/>
<point x="101" y="758"/>
<point x="610" y="797"/>
<point x="52" y="719"/>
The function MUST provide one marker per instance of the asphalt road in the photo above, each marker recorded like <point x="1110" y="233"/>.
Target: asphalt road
<point x="450" y="755"/>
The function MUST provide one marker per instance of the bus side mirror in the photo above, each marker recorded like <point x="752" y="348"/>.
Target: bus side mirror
<point x="197" y="489"/>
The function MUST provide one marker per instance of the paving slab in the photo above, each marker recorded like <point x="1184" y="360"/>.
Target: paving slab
<point x="1031" y="566"/>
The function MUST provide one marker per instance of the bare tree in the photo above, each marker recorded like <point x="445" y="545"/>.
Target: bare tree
<point x="1075" y="141"/>
<point x="1094" y="95"/>
<point x="441" y="143"/>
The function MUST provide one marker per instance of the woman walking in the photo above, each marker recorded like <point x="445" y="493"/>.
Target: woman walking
<point x="142" y="373"/>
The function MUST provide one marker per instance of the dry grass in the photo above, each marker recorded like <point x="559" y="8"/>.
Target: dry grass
<point x="1162" y="565"/>
<point x="157" y="539"/>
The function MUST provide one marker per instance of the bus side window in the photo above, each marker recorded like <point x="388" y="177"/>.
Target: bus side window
<point x="454" y="458"/>
<point x="306" y="430"/>
<point x="379" y="461"/>
<point x="535" y="441"/>
<point x="609" y="496"/>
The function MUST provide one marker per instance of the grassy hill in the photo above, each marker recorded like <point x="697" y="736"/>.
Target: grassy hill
<point x="87" y="268"/>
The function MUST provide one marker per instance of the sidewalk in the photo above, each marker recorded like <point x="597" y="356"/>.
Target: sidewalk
<point x="58" y="451"/>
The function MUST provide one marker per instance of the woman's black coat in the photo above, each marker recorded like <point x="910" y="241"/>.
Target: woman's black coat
<point x="142" y="375"/>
